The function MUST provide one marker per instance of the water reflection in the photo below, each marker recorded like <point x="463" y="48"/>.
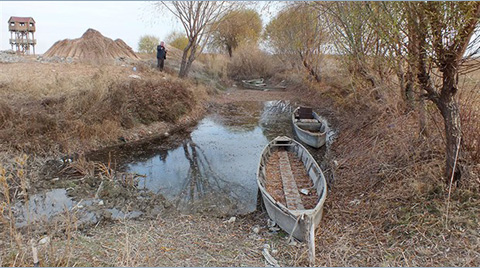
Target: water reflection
<point x="203" y="183"/>
<point x="213" y="169"/>
<point x="43" y="207"/>
<point x="210" y="169"/>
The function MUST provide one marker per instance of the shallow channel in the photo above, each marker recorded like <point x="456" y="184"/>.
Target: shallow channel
<point x="214" y="168"/>
<point x="210" y="169"/>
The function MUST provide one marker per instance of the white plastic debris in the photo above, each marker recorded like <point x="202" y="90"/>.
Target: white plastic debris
<point x="231" y="220"/>
<point x="293" y="242"/>
<point x="44" y="240"/>
<point x="256" y="229"/>
<point x="271" y="223"/>
<point x="274" y="229"/>
<point x="270" y="260"/>
<point x="135" y="76"/>
<point x="304" y="191"/>
<point x="355" y="202"/>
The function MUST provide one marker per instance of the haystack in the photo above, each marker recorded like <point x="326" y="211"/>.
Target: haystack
<point x="92" y="46"/>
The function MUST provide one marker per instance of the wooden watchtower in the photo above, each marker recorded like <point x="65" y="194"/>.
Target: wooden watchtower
<point x="22" y="34"/>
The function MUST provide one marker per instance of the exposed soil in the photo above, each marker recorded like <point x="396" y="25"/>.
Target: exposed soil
<point x="92" y="46"/>
<point x="237" y="93"/>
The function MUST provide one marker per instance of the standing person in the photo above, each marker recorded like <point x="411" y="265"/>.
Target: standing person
<point x="161" y="55"/>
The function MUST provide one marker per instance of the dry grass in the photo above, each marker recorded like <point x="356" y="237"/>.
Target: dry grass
<point x="469" y="98"/>
<point x="44" y="110"/>
<point x="249" y="63"/>
<point x="388" y="205"/>
<point x="171" y="239"/>
<point x="215" y="65"/>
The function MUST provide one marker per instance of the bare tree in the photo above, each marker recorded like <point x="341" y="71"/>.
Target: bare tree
<point x="196" y="18"/>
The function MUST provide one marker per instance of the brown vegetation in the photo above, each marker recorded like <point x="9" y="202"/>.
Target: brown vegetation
<point x="58" y="113"/>
<point x="387" y="204"/>
<point x="274" y="183"/>
<point x="249" y="63"/>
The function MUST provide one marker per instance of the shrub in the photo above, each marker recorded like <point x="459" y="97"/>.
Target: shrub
<point x="250" y="62"/>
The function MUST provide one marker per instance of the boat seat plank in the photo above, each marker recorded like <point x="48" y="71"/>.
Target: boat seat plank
<point x="292" y="196"/>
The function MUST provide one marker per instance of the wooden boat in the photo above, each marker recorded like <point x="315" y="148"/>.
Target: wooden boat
<point x="292" y="186"/>
<point x="308" y="127"/>
<point x="259" y="84"/>
<point x="254" y="84"/>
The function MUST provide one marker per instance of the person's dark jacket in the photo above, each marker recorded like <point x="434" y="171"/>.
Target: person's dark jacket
<point x="161" y="52"/>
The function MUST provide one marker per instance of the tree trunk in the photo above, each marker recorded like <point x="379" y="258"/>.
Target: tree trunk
<point x="409" y="91"/>
<point x="401" y="78"/>
<point x="183" y="66"/>
<point x="230" y="50"/>
<point x="453" y="133"/>
<point x="406" y="81"/>
<point x="190" y="60"/>
<point x="422" y="114"/>
<point x="311" y="71"/>
<point x="451" y="116"/>
<point x="363" y="71"/>
<point x="187" y="59"/>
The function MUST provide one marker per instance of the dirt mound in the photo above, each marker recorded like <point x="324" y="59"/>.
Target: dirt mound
<point x="92" y="46"/>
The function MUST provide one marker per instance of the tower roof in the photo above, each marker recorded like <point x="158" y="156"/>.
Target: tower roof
<point x="21" y="19"/>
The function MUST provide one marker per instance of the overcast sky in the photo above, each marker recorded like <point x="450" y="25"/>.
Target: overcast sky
<point x="58" y="20"/>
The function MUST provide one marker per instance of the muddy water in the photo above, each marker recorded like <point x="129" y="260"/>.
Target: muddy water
<point x="209" y="169"/>
<point x="213" y="169"/>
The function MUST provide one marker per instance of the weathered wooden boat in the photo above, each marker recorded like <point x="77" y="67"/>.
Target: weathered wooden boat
<point x="308" y="127"/>
<point x="259" y="84"/>
<point x="293" y="188"/>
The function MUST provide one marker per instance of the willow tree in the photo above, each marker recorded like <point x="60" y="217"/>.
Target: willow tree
<point x="196" y="18"/>
<point x="297" y="33"/>
<point x="439" y="40"/>
<point x="443" y="35"/>
<point x="354" y="38"/>
<point x="235" y="28"/>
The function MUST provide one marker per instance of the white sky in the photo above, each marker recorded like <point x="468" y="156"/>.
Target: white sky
<point x="58" y="20"/>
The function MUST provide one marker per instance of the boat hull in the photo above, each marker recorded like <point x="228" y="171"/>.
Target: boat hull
<point x="294" y="222"/>
<point x="312" y="134"/>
